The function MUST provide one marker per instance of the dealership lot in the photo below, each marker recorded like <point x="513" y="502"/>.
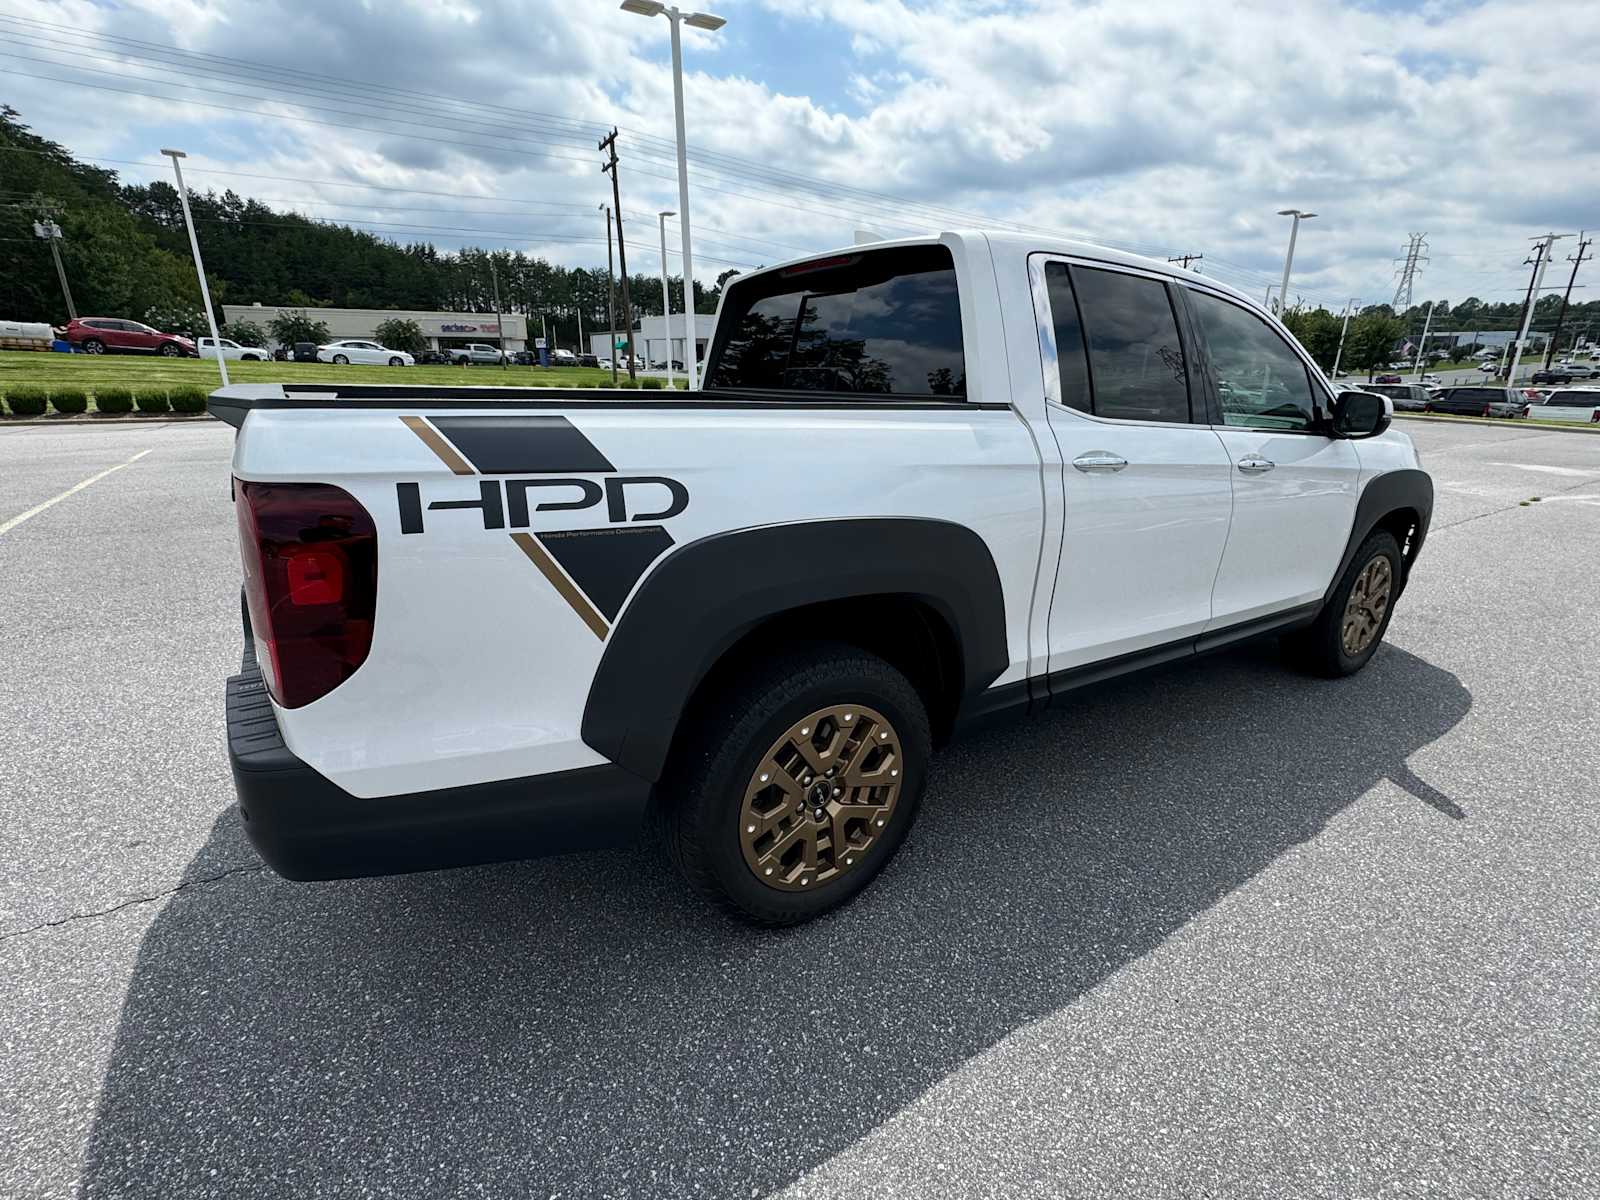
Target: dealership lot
<point x="1217" y="930"/>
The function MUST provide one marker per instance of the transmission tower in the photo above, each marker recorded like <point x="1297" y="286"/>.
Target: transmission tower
<point x="1414" y="258"/>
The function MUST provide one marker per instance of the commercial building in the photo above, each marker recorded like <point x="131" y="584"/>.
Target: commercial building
<point x="442" y="329"/>
<point x="651" y="338"/>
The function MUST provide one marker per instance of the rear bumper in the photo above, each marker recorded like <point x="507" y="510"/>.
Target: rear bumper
<point x="307" y="827"/>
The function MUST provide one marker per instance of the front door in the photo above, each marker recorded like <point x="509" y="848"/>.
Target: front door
<point x="1294" y="487"/>
<point x="1146" y="480"/>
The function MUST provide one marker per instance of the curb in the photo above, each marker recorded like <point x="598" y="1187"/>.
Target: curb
<point x="1499" y="423"/>
<point x="86" y="419"/>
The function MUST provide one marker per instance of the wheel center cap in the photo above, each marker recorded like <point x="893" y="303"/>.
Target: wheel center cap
<point x="819" y="794"/>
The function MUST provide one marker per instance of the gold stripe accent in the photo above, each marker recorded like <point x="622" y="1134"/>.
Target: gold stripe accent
<point x="558" y="580"/>
<point x="430" y="438"/>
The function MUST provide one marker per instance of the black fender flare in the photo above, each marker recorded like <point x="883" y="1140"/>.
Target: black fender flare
<point x="705" y="596"/>
<point x="1391" y="492"/>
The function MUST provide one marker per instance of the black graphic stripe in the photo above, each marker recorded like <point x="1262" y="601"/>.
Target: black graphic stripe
<point x="522" y="444"/>
<point x="606" y="563"/>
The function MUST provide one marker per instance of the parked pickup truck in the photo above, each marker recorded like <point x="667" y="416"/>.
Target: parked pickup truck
<point x="1579" y="404"/>
<point x="476" y="354"/>
<point x="927" y="483"/>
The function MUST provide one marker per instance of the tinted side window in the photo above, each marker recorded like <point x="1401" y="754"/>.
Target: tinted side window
<point x="884" y="322"/>
<point x="1072" y="364"/>
<point x="1477" y="394"/>
<point x="1260" y="380"/>
<point x="1136" y="366"/>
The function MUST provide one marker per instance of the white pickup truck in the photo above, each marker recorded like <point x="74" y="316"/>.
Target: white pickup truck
<point x="927" y="483"/>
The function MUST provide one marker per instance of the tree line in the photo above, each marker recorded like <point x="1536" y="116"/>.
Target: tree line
<point x="126" y="253"/>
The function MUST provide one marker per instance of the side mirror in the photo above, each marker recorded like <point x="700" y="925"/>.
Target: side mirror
<point x="1361" y="414"/>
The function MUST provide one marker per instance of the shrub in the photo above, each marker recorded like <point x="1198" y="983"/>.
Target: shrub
<point x="246" y="333"/>
<point x="653" y="384"/>
<point x="69" y="400"/>
<point x="188" y="399"/>
<point x="291" y="327"/>
<point x="151" y="401"/>
<point x="400" y="334"/>
<point x="26" y="401"/>
<point x="113" y="400"/>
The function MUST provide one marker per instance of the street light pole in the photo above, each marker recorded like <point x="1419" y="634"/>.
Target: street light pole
<point x="1288" y="259"/>
<point x="666" y="299"/>
<point x="199" y="267"/>
<point x="707" y="21"/>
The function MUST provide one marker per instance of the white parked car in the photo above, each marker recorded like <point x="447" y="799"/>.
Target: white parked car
<point x="231" y="350"/>
<point x="354" y="350"/>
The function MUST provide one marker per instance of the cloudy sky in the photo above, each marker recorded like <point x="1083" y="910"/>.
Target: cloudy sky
<point x="1166" y="127"/>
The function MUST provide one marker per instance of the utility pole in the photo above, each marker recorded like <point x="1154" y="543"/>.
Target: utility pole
<point x="1414" y="258"/>
<point x="1577" y="261"/>
<point x="46" y="229"/>
<point x="1540" y="260"/>
<point x="1416" y="367"/>
<point x="1185" y="259"/>
<point x="499" y="321"/>
<point x="1343" y="329"/>
<point x="611" y="299"/>
<point x="609" y="143"/>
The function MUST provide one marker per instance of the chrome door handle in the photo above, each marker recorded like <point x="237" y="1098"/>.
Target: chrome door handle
<point x="1254" y="464"/>
<point x="1099" y="461"/>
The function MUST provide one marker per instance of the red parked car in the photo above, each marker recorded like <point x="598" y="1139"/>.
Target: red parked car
<point x="112" y="335"/>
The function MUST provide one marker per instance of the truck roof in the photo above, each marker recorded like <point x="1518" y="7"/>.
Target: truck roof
<point x="1019" y="243"/>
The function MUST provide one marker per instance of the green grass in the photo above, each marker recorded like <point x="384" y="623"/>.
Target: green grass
<point x="20" y="368"/>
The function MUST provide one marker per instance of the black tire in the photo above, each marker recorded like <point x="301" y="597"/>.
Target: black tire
<point x="397" y="361"/>
<point x="168" y="350"/>
<point x="93" y="346"/>
<point x="249" y="358"/>
<point x="1320" y="648"/>
<point x="341" y="360"/>
<point x="729" y="734"/>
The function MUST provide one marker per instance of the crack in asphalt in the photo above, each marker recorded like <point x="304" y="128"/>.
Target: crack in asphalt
<point x="182" y="886"/>
<point x="1590" y="482"/>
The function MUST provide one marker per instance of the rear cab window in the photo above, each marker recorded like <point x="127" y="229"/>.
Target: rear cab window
<point x="1117" y="348"/>
<point x="872" y="324"/>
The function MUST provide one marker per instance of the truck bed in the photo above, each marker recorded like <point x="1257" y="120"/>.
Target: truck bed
<point x="232" y="404"/>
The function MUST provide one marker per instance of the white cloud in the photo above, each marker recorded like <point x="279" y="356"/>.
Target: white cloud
<point x="1163" y="126"/>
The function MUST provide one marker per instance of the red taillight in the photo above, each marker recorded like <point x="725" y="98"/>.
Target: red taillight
<point x="311" y="583"/>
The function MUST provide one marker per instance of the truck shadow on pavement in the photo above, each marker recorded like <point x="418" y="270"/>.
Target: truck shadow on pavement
<point x="582" y="1026"/>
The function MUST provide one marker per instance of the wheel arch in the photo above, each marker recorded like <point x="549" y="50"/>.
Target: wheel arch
<point x="922" y="593"/>
<point x="1400" y="502"/>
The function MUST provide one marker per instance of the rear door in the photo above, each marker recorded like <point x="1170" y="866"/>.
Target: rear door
<point x="140" y="337"/>
<point x="1145" y="478"/>
<point x="1294" y="487"/>
<point x="119" y="335"/>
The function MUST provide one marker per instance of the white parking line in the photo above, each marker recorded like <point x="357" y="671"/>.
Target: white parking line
<point x="1545" y="470"/>
<point x="77" y="487"/>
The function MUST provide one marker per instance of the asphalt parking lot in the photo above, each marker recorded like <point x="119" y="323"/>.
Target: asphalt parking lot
<point x="1217" y="931"/>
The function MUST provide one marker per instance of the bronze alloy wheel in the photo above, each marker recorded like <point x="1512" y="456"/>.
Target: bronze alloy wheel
<point x="1369" y="601"/>
<point x="821" y="796"/>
